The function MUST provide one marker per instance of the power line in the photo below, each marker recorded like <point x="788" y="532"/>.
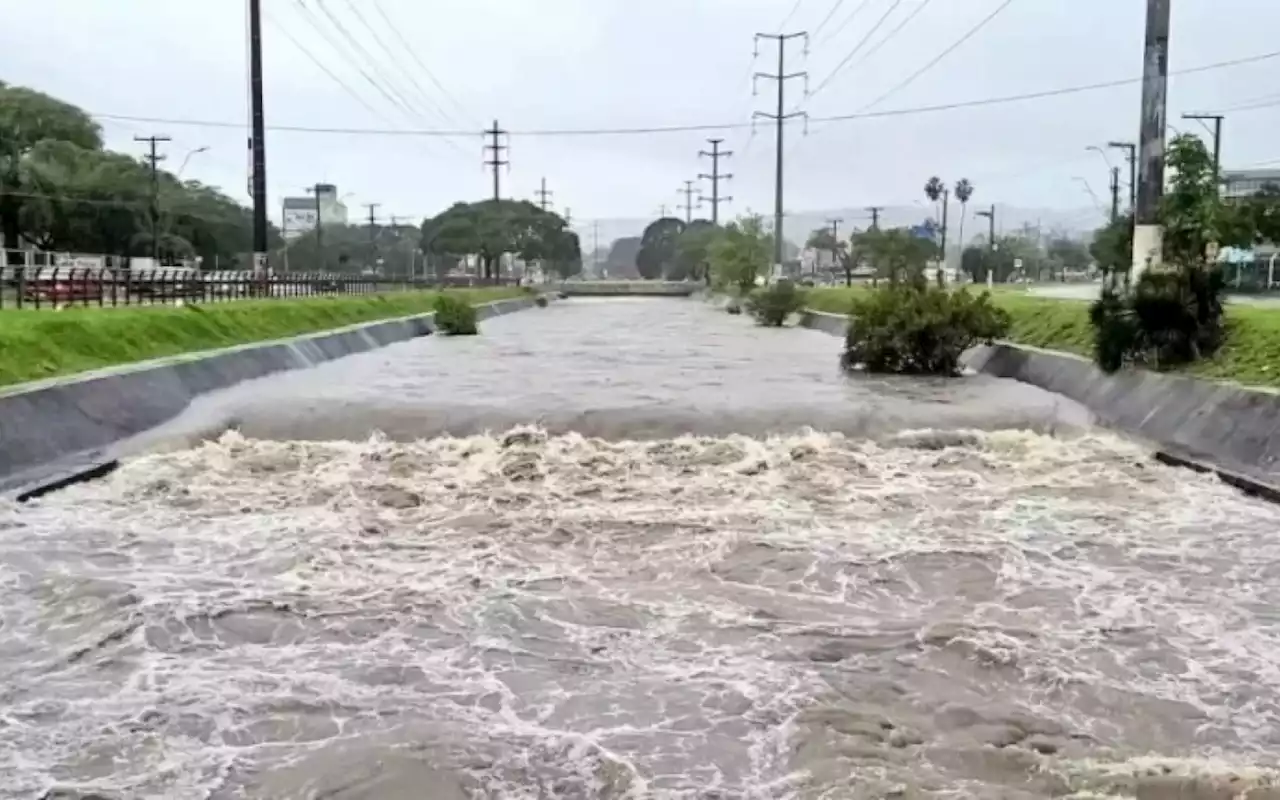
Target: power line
<point x="936" y="59"/>
<point x="845" y="23"/>
<point x="862" y="43"/>
<point x="324" y="68"/>
<point x="790" y="14"/>
<point x="396" y="62"/>
<point x="915" y="12"/>
<point x="834" y="8"/>
<point x="721" y="126"/>
<point x="414" y="55"/>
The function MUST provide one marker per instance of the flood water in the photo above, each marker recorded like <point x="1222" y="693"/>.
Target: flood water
<point x="634" y="548"/>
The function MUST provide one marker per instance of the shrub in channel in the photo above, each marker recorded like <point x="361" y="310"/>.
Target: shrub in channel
<point x="917" y="329"/>
<point x="455" y="316"/>
<point x="773" y="304"/>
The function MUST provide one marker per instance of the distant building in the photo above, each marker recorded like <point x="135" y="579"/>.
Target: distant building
<point x="300" y="212"/>
<point x="1248" y="182"/>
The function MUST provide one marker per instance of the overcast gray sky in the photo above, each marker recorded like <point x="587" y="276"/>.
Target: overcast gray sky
<point x="557" y="64"/>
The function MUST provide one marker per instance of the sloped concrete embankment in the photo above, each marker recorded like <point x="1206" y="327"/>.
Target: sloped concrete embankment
<point x="58" y="431"/>
<point x="1231" y="430"/>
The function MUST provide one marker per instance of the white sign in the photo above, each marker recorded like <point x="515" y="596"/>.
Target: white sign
<point x="1017" y="263"/>
<point x="298" y="221"/>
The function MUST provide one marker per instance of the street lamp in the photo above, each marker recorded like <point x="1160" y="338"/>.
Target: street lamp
<point x="201" y="149"/>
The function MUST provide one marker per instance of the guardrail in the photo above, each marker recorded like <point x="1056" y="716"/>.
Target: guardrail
<point x="53" y="288"/>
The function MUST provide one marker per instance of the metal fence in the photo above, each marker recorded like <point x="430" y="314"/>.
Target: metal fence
<point x="60" y="287"/>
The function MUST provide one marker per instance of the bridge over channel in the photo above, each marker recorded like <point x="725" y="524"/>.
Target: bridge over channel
<point x="629" y="288"/>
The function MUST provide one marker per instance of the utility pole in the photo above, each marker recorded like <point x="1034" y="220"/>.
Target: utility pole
<point x="1131" y="155"/>
<point x="1115" y="194"/>
<point x="568" y="218"/>
<point x="688" y="191"/>
<point x="1148" y="233"/>
<point x="835" y="242"/>
<point x="257" y="141"/>
<point x="1217" y="138"/>
<point x="715" y="177"/>
<point x="319" y="227"/>
<point x="373" y="233"/>
<point x="991" y="241"/>
<point x="544" y="195"/>
<point x="662" y="211"/>
<point x="495" y="159"/>
<point x="154" y="160"/>
<point x="780" y="117"/>
<point x="874" y="211"/>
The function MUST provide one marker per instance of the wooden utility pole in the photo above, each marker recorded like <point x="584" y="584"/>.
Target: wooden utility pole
<point x="373" y="234"/>
<point x="716" y="176"/>
<point x="495" y="160"/>
<point x="780" y="117"/>
<point x="874" y="211"/>
<point x="1148" y="233"/>
<point x="154" y="159"/>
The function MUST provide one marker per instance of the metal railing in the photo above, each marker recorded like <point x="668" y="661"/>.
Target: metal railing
<point x="61" y="287"/>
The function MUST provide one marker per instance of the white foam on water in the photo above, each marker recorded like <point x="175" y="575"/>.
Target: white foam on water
<point x="957" y="613"/>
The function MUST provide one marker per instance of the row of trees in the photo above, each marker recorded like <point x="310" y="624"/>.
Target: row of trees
<point x="491" y="229"/>
<point x="60" y="189"/>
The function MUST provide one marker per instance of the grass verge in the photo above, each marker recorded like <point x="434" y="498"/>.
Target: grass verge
<point x="44" y="344"/>
<point x="1251" y="355"/>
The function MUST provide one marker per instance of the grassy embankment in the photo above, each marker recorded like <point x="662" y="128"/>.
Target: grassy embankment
<point x="44" y="344"/>
<point x="1251" y="355"/>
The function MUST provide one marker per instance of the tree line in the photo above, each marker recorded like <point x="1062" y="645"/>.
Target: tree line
<point x="61" y="190"/>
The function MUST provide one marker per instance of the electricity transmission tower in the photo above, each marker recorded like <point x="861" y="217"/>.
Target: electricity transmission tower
<point x="716" y="176"/>
<point x="495" y="160"/>
<point x="780" y="117"/>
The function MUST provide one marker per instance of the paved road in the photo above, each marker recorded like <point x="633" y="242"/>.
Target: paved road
<point x="672" y="588"/>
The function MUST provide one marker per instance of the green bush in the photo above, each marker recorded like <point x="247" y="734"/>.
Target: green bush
<point x="455" y="316"/>
<point x="541" y="301"/>
<point x="1167" y="319"/>
<point x="917" y="329"/>
<point x="774" y="303"/>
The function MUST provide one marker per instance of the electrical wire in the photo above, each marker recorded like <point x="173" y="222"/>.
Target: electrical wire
<point x="323" y="67"/>
<point x="849" y="56"/>
<point x="938" y="58"/>
<point x="658" y="129"/>
<point x="422" y="95"/>
<point x="377" y="4"/>
<point x="915" y="12"/>
<point x="790" y="15"/>
<point x="845" y="22"/>
<point x="834" y="8"/>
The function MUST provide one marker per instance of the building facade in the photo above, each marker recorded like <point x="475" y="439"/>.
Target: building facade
<point x="300" y="213"/>
<point x="1248" y="182"/>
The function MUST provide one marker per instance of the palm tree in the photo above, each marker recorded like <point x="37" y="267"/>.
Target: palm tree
<point x="937" y="191"/>
<point x="964" y="190"/>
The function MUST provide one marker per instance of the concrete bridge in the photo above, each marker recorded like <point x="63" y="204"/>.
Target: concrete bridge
<point x="629" y="288"/>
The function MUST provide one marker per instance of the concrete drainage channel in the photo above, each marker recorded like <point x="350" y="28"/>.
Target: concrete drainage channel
<point x="63" y="431"/>
<point x="1231" y="431"/>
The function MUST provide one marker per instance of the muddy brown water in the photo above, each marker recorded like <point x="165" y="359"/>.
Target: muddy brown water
<point x="638" y="549"/>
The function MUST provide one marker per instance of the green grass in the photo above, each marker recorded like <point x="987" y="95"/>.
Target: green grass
<point x="44" y="344"/>
<point x="1251" y="355"/>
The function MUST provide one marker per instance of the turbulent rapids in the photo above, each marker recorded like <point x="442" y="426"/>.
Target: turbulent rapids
<point x="548" y="613"/>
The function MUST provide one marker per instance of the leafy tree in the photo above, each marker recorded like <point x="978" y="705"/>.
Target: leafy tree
<point x="1112" y="246"/>
<point x="492" y="228"/>
<point x="1066" y="253"/>
<point x="742" y="254"/>
<point x="895" y="253"/>
<point x="621" y="261"/>
<point x="1192" y="210"/>
<point x="693" y="248"/>
<point x="658" y="247"/>
<point x="350" y="249"/>
<point x="27" y="118"/>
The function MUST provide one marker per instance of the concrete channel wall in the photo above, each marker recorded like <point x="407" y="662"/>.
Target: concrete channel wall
<point x="1231" y="430"/>
<point x="54" y="432"/>
<point x="629" y="288"/>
